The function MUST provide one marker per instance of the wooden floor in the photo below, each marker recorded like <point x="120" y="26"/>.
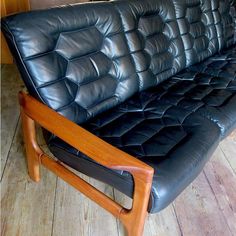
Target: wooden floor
<point x="52" y="208"/>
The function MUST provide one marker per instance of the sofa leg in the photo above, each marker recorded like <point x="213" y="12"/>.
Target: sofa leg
<point x="135" y="225"/>
<point x="135" y="228"/>
<point x="134" y="219"/>
<point x="33" y="152"/>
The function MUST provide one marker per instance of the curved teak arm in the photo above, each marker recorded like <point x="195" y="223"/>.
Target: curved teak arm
<point x="92" y="146"/>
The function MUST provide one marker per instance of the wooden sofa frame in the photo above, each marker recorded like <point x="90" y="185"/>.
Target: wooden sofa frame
<point x="34" y="111"/>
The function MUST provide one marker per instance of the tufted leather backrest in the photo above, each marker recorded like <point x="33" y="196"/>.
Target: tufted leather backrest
<point x="154" y="39"/>
<point x="196" y="22"/>
<point x="84" y="59"/>
<point x="224" y="13"/>
<point x="233" y="15"/>
<point x="75" y="58"/>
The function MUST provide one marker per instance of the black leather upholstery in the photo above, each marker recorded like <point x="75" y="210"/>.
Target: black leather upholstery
<point x="224" y="14"/>
<point x="154" y="39"/>
<point x="155" y="43"/>
<point x="199" y="36"/>
<point x="148" y="77"/>
<point x="222" y="64"/>
<point x="210" y="96"/>
<point x="158" y="133"/>
<point x="197" y="28"/>
<point x="205" y="26"/>
<point x="70" y="52"/>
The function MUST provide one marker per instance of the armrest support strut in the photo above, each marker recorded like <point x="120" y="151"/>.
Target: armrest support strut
<point x="92" y="146"/>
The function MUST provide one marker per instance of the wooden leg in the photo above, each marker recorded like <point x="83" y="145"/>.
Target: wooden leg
<point x="95" y="148"/>
<point x="33" y="152"/>
<point x="134" y="219"/>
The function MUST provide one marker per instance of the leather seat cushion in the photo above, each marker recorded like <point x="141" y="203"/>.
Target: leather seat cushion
<point x="210" y="96"/>
<point x="222" y="64"/>
<point x="162" y="135"/>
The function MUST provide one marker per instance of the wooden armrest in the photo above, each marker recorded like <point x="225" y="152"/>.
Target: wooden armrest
<point x="81" y="139"/>
<point x="92" y="146"/>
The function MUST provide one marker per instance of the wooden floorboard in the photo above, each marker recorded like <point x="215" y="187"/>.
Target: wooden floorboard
<point x="198" y="212"/>
<point x="10" y="85"/>
<point x="228" y="147"/>
<point x="222" y="180"/>
<point x="164" y="223"/>
<point x="76" y="215"/>
<point x="26" y="207"/>
<point x="52" y="208"/>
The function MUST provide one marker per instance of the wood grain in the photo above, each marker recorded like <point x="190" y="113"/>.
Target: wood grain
<point x="105" y="154"/>
<point x="207" y="207"/>
<point x="89" y="144"/>
<point x="33" y="151"/>
<point x="26" y="207"/>
<point x="35" y="4"/>
<point x="14" y="6"/>
<point x="10" y="7"/>
<point x="228" y="146"/>
<point x="198" y="211"/>
<point x="83" y="217"/>
<point x="6" y="57"/>
<point x="162" y="224"/>
<point x="222" y="181"/>
<point x="10" y="85"/>
<point x="233" y="136"/>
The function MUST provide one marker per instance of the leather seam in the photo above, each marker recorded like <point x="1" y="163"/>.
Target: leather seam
<point x="23" y="63"/>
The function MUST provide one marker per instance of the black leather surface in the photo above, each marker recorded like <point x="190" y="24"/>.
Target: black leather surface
<point x="154" y="39"/>
<point x="197" y="28"/>
<point x="205" y="26"/>
<point x="158" y="133"/>
<point x="114" y="67"/>
<point x="222" y="64"/>
<point x="210" y="96"/>
<point x="75" y="59"/>
<point x="224" y="14"/>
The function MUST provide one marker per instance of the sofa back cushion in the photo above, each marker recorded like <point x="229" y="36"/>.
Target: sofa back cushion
<point x="196" y="23"/>
<point x="74" y="58"/>
<point x="224" y="19"/>
<point x="154" y="39"/>
<point x="84" y="59"/>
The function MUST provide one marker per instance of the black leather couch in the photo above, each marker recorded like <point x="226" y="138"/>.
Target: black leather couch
<point x="154" y="78"/>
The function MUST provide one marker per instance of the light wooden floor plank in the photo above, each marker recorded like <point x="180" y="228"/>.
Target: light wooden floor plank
<point x="228" y="146"/>
<point x="222" y="180"/>
<point x="76" y="215"/>
<point x="10" y="85"/>
<point x="198" y="212"/>
<point x="27" y="207"/>
<point x="162" y="224"/>
<point x="232" y="136"/>
<point x="53" y="208"/>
